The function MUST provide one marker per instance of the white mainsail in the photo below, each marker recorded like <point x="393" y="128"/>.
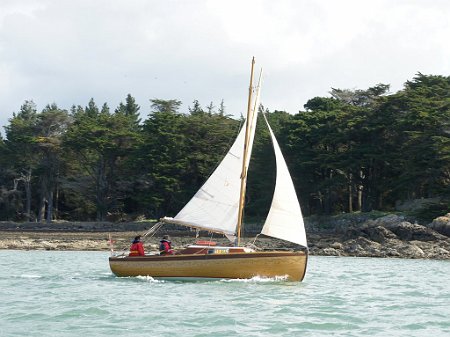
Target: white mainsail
<point x="285" y="220"/>
<point x="215" y="205"/>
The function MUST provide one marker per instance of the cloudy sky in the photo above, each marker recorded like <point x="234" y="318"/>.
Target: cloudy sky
<point x="67" y="51"/>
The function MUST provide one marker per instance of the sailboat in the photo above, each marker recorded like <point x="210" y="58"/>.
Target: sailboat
<point x="218" y="207"/>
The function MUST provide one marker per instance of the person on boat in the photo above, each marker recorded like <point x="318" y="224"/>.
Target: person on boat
<point x="137" y="247"/>
<point x="165" y="247"/>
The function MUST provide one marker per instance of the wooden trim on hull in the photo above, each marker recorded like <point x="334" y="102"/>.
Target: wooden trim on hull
<point x="223" y="266"/>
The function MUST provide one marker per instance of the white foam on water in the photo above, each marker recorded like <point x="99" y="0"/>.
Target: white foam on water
<point x="149" y="279"/>
<point x="29" y="276"/>
<point x="259" y="279"/>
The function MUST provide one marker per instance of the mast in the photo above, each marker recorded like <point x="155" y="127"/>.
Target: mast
<point x="244" y="157"/>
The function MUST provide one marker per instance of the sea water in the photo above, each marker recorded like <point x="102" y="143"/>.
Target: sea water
<point x="53" y="293"/>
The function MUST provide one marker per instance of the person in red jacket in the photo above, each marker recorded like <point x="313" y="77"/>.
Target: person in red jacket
<point x="137" y="247"/>
<point x="165" y="247"/>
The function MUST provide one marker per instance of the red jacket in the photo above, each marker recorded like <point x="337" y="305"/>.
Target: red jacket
<point x="137" y="249"/>
<point x="165" y="247"/>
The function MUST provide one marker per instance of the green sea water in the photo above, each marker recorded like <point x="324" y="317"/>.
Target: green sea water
<point x="51" y="293"/>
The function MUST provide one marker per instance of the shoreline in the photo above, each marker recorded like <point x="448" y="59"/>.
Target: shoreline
<point x="100" y="241"/>
<point x="387" y="236"/>
<point x="319" y="245"/>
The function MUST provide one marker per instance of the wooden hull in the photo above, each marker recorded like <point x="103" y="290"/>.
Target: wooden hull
<point x="291" y="265"/>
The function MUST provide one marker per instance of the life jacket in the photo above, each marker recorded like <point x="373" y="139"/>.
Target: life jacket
<point x="165" y="247"/>
<point x="137" y="249"/>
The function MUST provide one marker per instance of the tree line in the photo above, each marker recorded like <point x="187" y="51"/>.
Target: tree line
<point x="358" y="150"/>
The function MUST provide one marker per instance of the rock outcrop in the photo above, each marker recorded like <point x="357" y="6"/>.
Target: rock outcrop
<point x="441" y="224"/>
<point x="389" y="236"/>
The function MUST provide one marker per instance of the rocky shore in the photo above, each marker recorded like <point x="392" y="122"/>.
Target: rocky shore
<point x="387" y="236"/>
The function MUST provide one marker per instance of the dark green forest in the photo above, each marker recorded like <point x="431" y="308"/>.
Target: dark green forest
<point x="356" y="151"/>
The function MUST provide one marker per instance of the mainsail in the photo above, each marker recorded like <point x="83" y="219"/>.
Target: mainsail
<point x="285" y="220"/>
<point x="215" y="205"/>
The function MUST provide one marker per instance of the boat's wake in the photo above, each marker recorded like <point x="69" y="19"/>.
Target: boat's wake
<point x="259" y="279"/>
<point x="149" y="279"/>
<point x="255" y="279"/>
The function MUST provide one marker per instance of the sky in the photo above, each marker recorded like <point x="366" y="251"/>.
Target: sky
<point x="67" y="52"/>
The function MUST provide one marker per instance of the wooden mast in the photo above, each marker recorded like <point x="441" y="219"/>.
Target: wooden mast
<point x="244" y="158"/>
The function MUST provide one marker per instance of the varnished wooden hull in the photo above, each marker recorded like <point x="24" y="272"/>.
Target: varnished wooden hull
<point x="291" y="265"/>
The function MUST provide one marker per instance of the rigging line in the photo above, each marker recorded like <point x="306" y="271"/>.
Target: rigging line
<point x="254" y="240"/>
<point x="153" y="229"/>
